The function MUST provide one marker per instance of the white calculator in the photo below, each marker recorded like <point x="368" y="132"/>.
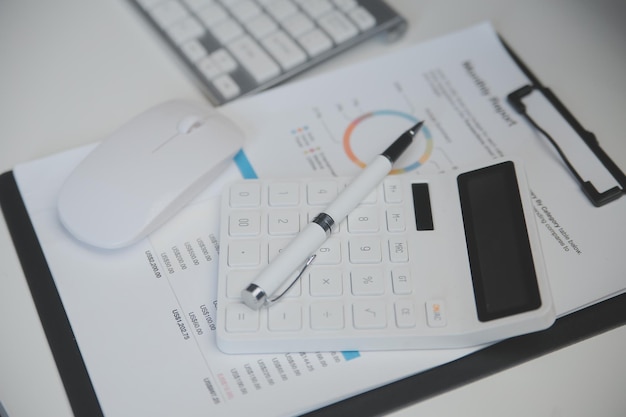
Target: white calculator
<point x="425" y="261"/>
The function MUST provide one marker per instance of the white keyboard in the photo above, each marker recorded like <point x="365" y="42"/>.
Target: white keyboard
<point x="395" y="274"/>
<point x="237" y="47"/>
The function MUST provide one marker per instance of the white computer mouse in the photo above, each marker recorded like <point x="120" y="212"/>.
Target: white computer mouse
<point x="145" y="172"/>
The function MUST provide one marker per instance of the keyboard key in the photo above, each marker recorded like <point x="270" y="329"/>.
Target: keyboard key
<point x="193" y="50"/>
<point x="316" y="8"/>
<point x="224" y="60"/>
<point x="367" y="281"/>
<point x="226" y="30"/>
<point x="261" y="26"/>
<point x="197" y="5"/>
<point x="254" y="59"/>
<point x="371" y="314"/>
<point x="185" y="30"/>
<point x="281" y="9"/>
<point x="245" y="10"/>
<point x="298" y="24"/>
<point x="363" y="19"/>
<point x="327" y="315"/>
<point x="345" y="5"/>
<point x="209" y="67"/>
<point x="338" y="26"/>
<point x="212" y="14"/>
<point x="168" y="13"/>
<point x="284" y="50"/>
<point x="227" y="87"/>
<point x="315" y="42"/>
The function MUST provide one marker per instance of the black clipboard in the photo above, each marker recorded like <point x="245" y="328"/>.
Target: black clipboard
<point x="567" y="330"/>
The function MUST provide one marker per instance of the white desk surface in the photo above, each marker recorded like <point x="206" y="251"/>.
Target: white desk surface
<point x="72" y="71"/>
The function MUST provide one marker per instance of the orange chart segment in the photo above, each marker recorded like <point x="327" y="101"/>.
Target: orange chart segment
<point x="348" y="137"/>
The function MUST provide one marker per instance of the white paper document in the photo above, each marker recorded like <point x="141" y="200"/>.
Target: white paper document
<point x="144" y="316"/>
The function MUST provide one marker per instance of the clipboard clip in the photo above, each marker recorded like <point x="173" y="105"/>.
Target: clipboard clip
<point x="596" y="197"/>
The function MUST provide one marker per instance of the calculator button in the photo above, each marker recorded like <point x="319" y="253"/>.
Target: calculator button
<point x="284" y="194"/>
<point x="392" y="190"/>
<point x="363" y="220"/>
<point x="276" y="246"/>
<point x="237" y="281"/>
<point x="327" y="316"/>
<point x="398" y="250"/>
<point x="364" y="250"/>
<point x="284" y="316"/>
<point x="436" y="313"/>
<point x="241" y="318"/>
<point x="369" y="314"/>
<point x="245" y="194"/>
<point x="325" y="282"/>
<point x="283" y="222"/>
<point x="244" y="223"/>
<point x="367" y="281"/>
<point x="395" y="219"/>
<point x="244" y="253"/>
<point x="329" y="253"/>
<point x="405" y="313"/>
<point x="401" y="281"/>
<point x="321" y="192"/>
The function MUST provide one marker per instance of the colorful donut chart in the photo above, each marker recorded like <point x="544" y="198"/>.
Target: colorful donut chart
<point x="348" y="134"/>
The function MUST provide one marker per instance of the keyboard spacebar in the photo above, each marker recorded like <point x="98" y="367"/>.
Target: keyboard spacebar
<point x="254" y="59"/>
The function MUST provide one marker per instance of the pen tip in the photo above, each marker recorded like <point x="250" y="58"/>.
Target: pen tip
<point x="413" y="131"/>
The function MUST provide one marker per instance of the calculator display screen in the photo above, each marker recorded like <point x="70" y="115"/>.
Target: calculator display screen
<point x="501" y="263"/>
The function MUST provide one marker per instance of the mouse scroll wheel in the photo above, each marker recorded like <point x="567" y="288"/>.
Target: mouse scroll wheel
<point x="189" y="123"/>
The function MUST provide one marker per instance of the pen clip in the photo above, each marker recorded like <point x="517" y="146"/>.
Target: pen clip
<point x="308" y="262"/>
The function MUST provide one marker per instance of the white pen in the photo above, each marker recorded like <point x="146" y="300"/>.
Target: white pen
<point x="301" y="250"/>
